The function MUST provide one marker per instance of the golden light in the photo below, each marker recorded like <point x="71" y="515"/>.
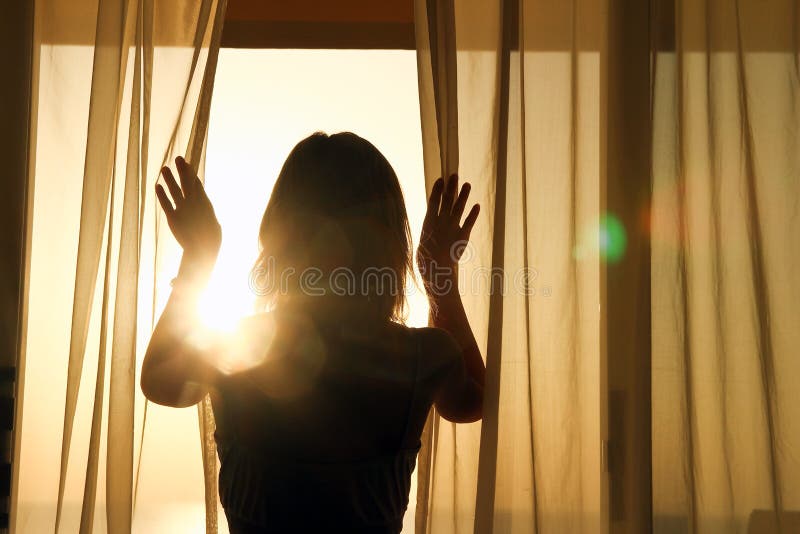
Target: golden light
<point x="226" y="300"/>
<point x="264" y="102"/>
<point x="225" y="311"/>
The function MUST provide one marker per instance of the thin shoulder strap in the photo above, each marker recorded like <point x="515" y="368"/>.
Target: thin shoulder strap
<point x="414" y="385"/>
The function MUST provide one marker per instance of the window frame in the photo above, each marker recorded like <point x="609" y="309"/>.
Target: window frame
<point x="319" y="24"/>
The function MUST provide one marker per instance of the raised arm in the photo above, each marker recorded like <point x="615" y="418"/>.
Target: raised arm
<point x="174" y="371"/>
<point x="460" y="398"/>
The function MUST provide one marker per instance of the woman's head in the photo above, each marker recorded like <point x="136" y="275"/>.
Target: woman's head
<point x="336" y="225"/>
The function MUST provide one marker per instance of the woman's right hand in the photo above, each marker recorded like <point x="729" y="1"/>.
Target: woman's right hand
<point x="444" y="238"/>
<point x="191" y="219"/>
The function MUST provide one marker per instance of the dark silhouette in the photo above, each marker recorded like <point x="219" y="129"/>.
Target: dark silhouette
<point x="321" y="432"/>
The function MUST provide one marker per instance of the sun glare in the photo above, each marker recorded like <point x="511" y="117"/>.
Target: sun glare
<point x="257" y="117"/>
<point x="226" y="300"/>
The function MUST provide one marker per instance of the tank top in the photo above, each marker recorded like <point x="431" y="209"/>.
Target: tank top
<point x="266" y="493"/>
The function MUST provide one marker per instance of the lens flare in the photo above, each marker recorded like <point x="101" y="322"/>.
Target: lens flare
<point x="605" y="237"/>
<point x="233" y="350"/>
<point x="612" y="238"/>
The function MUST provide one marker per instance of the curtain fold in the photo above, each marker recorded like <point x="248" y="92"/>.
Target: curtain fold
<point x="726" y="422"/>
<point x="723" y="226"/>
<point x="527" y="86"/>
<point x="152" y="68"/>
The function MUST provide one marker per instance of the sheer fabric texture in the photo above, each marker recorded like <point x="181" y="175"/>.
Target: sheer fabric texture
<point x="512" y="103"/>
<point x="723" y="229"/>
<point x="725" y="225"/>
<point x="122" y="86"/>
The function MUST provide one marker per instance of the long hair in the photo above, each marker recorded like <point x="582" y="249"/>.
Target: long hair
<point x="336" y="224"/>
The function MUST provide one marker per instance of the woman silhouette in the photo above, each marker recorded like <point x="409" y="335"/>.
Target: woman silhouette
<point x="321" y="431"/>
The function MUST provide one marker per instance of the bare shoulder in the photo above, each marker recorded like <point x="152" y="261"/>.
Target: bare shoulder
<point x="439" y="352"/>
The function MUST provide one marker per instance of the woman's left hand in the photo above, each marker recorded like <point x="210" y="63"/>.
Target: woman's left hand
<point x="191" y="219"/>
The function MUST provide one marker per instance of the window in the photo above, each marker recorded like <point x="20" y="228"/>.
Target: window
<point x="294" y="78"/>
<point x="265" y="101"/>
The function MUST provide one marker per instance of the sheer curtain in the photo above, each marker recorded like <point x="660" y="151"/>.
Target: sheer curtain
<point x="510" y="99"/>
<point x="122" y="87"/>
<point x="725" y="226"/>
<point x="513" y="98"/>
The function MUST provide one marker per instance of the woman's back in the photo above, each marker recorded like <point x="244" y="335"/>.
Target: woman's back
<point x="321" y="432"/>
<point x="340" y="448"/>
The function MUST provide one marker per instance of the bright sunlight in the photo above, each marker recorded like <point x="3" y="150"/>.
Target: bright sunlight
<point x="265" y="101"/>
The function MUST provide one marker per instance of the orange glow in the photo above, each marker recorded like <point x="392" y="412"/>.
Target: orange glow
<point x="264" y="102"/>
